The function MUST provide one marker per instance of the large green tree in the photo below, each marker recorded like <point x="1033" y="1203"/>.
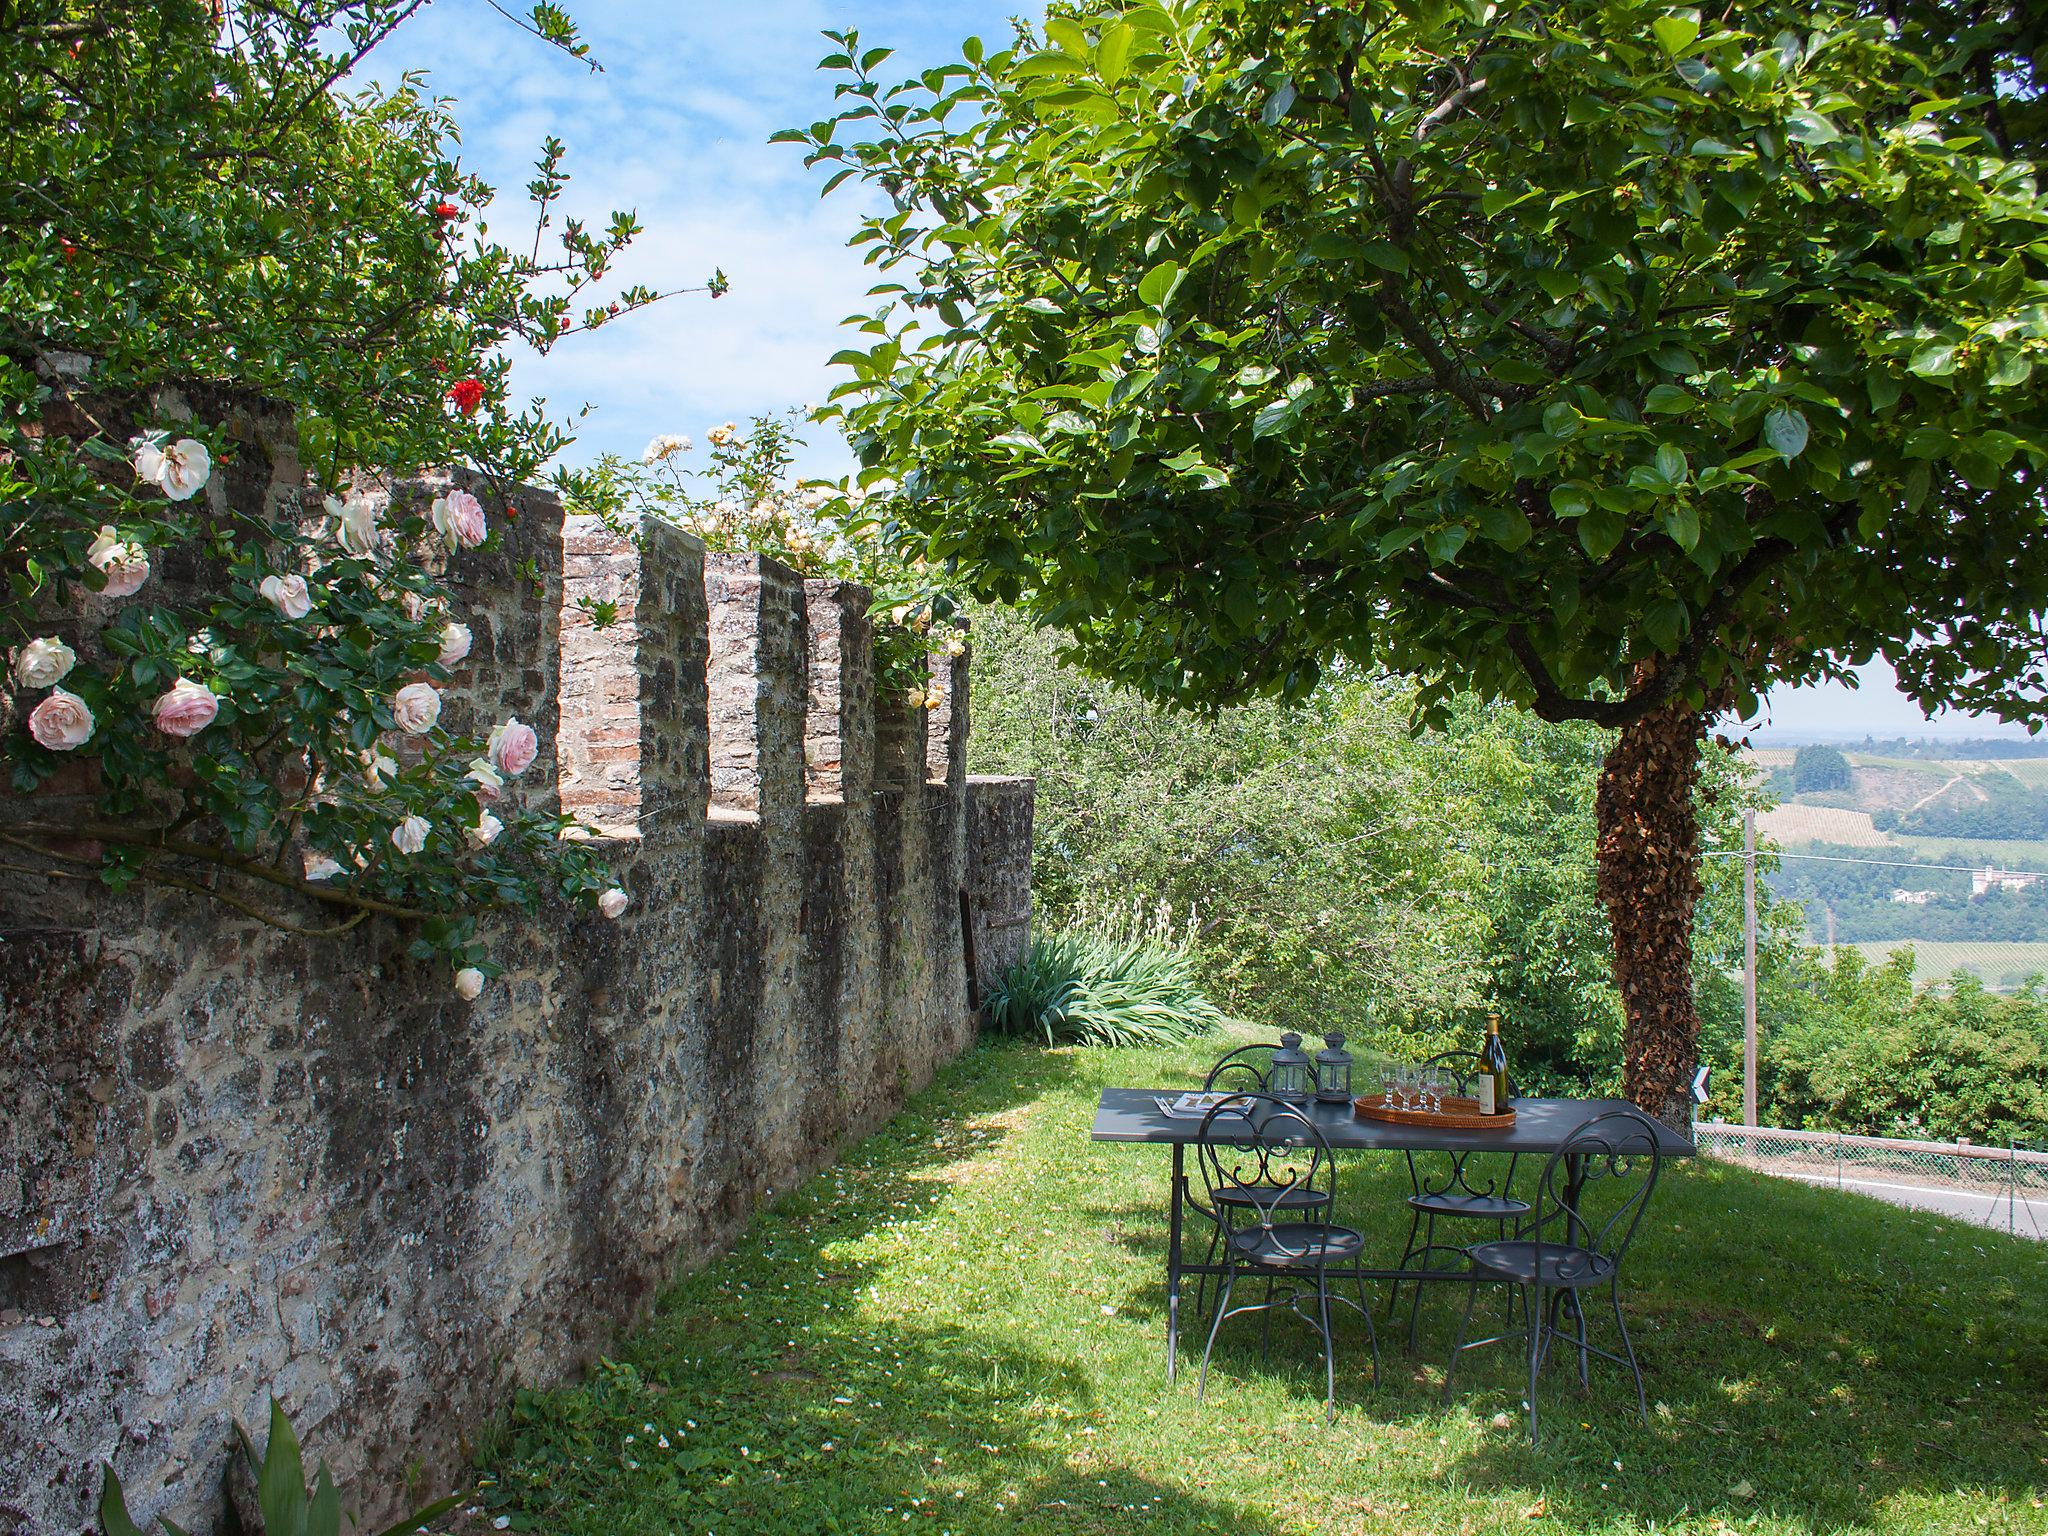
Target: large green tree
<point x="1610" y="357"/>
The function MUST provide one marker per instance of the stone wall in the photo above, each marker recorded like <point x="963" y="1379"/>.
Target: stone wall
<point x="233" y="1162"/>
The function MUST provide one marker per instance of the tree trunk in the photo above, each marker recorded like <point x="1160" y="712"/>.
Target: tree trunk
<point x="1649" y="882"/>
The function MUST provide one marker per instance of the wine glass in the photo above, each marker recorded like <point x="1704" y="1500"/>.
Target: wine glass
<point x="1411" y="1087"/>
<point x="1390" y="1086"/>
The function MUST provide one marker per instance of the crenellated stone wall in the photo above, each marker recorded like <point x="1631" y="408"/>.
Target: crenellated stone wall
<point x="234" y="1162"/>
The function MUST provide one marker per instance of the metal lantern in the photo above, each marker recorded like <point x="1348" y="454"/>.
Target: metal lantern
<point x="1291" y="1076"/>
<point x="1333" y="1070"/>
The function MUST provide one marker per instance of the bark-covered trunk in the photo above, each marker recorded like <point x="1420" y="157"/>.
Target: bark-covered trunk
<point x="1649" y="883"/>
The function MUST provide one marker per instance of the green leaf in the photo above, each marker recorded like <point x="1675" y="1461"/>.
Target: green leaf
<point x="1600" y="531"/>
<point x="281" y="1482"/>
<point x="1158" y="285"/>
<point x="1682" y="522"/>
<point x="1384" y="254"/>
<point x="1936" y="360"/>
<point x="1785" y="430"/>
<point x="1274" y="416"/>
<point x="323" y="1514"/>
<point x="1675" y="33"/>
<point x="1114" y="51"/>
<point x="1443" y="544"/>
<point x="1671" y="463"/>
<point x="1568" y="501"/>
<point x="1805" y="126"/>
<point x="1669" y="400"/>
<point x="420" y="1517"/>
<point x="1278" y="104"/>
<point x="114" y="1517"/>
<point x="1561" y="419"/>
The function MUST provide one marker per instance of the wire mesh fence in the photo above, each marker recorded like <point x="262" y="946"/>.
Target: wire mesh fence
<point x="2005" y="1188"/>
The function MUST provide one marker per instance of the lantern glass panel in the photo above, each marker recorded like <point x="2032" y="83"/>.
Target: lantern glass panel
<point x="1333" y="1070"/>
<point x="1291" y="1075"/>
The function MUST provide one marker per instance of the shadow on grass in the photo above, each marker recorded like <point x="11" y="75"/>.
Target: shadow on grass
<point x="764" y="1397"/>
<point x="1808" y="1356"/>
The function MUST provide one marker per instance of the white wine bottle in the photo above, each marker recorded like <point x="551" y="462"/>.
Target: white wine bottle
<point x="1493" y="1070"/>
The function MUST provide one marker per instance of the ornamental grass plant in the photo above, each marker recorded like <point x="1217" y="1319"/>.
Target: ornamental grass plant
<point x="1117" y="977"/>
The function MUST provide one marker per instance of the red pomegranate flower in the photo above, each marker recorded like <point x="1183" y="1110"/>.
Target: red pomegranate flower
<point x="467" y="395"/>
<point x="445" y="211"/>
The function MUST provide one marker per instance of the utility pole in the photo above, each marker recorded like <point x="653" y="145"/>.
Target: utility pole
<point x="1749" y="967"/>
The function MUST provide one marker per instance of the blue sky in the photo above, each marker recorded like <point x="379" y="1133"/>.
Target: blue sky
<point x="675" y="127"/>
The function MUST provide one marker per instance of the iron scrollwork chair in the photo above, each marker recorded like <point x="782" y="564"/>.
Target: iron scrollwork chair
<point x="1244" y="1070"/>
<point x="1272" y="1163"/>
<point x="1450" y="1191"/>
<point x="1589" y="1203"/>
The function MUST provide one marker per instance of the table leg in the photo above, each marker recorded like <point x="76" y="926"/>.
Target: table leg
<point x="1175" y="1193"/>
<point x="1574" y="1183"/>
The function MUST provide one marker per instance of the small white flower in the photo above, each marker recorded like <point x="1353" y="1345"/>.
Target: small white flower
<point x="416" y="707"/>
<point x="469" y="981"/>
<point x="612" y="902"/>
<point x="377" y="768"/>
<point x="44" y="663"/>
<point x="355" y="522"/>
<point x="718" y="437"/>
<point x="410" y="835"/>
<point x="485" y="832"/>
<point x="665" y="446"/>
<point x="179" y="468"/>
<point x="459" y="518"/>
<point x="288" y="595"/>
<point x="319" y="866"/>
<point x="488" y="781"/>
<point x="455" y="643"/>
<point x="124" y="563"/>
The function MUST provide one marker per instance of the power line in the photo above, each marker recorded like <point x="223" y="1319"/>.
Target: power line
<point x="1835" y="858"/>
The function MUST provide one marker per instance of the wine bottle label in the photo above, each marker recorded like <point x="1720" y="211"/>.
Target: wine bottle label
<point x="1486" y="1093"/>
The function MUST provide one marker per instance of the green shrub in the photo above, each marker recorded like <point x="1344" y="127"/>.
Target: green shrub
<point x="1086" y="988"/>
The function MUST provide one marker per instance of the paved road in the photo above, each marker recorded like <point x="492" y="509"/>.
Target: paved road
<point x="2028" y="1219"/>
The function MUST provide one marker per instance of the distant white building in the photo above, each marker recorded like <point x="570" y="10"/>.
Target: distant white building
<point x="1988" y="879"/>
<point x="1906" y="898"/>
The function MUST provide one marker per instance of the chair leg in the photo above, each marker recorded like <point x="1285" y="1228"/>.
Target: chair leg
<point x="1585" y="1365"/>
<point x="1407" y="1252"/>
<point x="1222" y="1306"/>
<point x="1510" y="1292"/>
<point x="1628" y="1348"/>
<point x="1202" y="1281"/>
<point x="1329" y="1347"/>
<point x="1536" y="1331"/>
<point x="1266" y="1327"/>
<point x="1372" y="1336"/>
<point x="1415" y="1286"/>
<point x="1464" y="1328"/>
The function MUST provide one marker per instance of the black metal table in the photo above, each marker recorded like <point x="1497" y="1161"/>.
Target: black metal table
<point x="1541" y="1127"/>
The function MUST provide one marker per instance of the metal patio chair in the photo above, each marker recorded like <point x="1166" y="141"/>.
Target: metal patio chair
<point x="1243" y="1069"/>
<point x="1588" y="1205"/>
<point x="1444" y="1187"/>
<point x="1273" y="1163"/>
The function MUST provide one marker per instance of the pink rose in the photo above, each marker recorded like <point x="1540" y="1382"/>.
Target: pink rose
<point x="459" y="518"/>
<point x="61" y="721"/>
<point x="288" y="595"/>
<point x="416" y="707"/>
<point x="513" y="747"/>
<point x="186" y="710"/>
<point x="612" y="902"/>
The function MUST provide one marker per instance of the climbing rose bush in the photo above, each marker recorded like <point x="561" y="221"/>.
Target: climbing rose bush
<point x="253" y="702"/>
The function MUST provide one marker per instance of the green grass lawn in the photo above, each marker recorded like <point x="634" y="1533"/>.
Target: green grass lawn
<point x="959" y="1328"/>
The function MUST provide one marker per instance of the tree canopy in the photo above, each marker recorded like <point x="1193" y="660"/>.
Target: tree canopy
<point x="1597" y="356"/>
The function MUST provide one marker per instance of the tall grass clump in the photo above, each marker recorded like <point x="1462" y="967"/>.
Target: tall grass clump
<point x="1116" y="978"/>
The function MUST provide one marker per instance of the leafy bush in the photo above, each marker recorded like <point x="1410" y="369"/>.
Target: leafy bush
<point x="1080" y="987"/>
<point x="1816" y="769"/>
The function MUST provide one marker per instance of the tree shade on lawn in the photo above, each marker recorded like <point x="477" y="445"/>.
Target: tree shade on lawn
<point x="961" y="1322"/>
<point x="1610" y="359"/>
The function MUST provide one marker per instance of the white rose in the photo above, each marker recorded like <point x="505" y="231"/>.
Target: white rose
<point x="410" y="835"/>
<point x="416" y="707"/>
<point x="469" y="981"/>
<point x="44" y="663"/>
<point x="455" y="643"/>
<point x="612" y="902"/>
<point x="180" y="468"/>
<point x="665" y="446"/>
<point x="355" y="522"/>
<point x="376" y="767"/>
<point x="320" y="867"/>
<point x="122" y="561"/>
<point x="485" y="832"/>
<point x="488" y="781"/>
<point x="459" y="518"/>
<point x="288" y="595"/>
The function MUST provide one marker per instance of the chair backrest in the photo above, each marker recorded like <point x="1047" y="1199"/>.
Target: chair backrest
<point x="1596" y="1186"/>
<point x="1453" y="1173"/>
<point x="1243" y="1069"/>
<point x="1266" y="1152"/>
